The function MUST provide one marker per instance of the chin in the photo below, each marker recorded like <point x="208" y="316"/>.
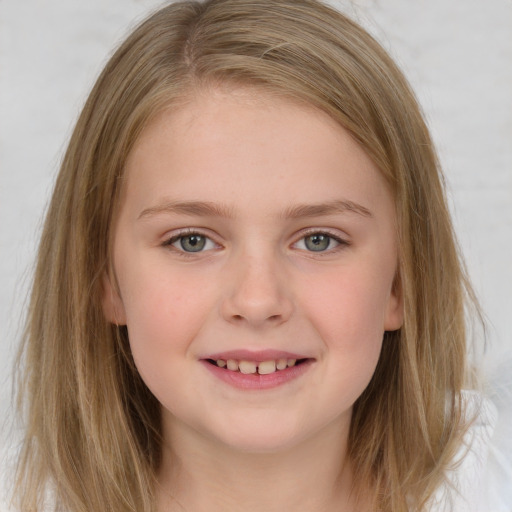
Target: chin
<point x="259" y="437"/>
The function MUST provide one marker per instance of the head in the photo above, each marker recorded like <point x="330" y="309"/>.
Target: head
<point x="297" y="51"/>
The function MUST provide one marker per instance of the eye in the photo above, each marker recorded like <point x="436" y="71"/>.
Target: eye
<point x="319" y="242"/>
<point x="191" y="242"/>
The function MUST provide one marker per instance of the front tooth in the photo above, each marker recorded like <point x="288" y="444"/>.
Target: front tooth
<point x="232" y="365"/>
<point x="291" y="362"/>
<point x="221" y="363"/>
<point x="266" y="367"/>
<point x="247" y="367"/>
<point x="281" y="364"/>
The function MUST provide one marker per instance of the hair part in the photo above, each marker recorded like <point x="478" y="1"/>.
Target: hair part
<point x="93" y="427"/>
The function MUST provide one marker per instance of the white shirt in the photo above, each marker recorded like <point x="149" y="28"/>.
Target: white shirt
<point x="481" y="479"/>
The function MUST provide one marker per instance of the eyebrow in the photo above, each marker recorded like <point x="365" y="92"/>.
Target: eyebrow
<point x="196" y="208"/>
<point x="209" y="209"/>
<point x="329" y="208"/>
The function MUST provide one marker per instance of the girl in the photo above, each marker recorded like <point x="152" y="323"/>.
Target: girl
<point x="248" y="295"/>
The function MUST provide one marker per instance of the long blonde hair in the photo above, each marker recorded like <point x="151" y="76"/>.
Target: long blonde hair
<point x="92" y="426"/>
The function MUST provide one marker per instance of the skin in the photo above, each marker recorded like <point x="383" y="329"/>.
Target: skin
<point x="256" y="285"/>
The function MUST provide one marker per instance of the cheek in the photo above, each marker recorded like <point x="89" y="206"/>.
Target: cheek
<point x="164" y="311"/>
<point x="347" y="308"/>
<point x="346" y="313"/>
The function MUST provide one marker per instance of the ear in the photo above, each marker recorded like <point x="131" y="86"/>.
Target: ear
<point x="395" y="307"/>
<point x="111" y="302"/>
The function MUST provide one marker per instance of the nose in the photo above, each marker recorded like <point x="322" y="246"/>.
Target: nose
<point x="257" y="294"/>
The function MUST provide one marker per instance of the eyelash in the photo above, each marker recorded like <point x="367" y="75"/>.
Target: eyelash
<point x="169" y="243"/>
<point x="341" y="242"/>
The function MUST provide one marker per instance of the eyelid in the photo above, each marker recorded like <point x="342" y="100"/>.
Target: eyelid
<point x="170" y="239"/>
<point x="341" y="240"/>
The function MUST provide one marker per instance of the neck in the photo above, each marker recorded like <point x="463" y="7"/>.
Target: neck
<point x="198" y="475"/>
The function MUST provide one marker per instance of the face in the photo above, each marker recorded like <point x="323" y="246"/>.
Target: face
<point x="255" y="256"/>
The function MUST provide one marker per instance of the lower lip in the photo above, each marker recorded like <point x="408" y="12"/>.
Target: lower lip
<point x="255" y="380"/>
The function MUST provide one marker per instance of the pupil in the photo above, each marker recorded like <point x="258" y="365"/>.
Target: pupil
<point x="193" y="243"/>
<point x="317" y="242"/>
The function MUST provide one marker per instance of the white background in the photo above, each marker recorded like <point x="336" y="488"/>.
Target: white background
<point x="456" y="53"/>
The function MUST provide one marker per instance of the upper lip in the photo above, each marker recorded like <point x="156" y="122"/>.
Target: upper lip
<point x="254" y="355"/>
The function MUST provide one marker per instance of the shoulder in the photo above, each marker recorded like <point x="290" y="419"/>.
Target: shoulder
<point x="480" y="479"/>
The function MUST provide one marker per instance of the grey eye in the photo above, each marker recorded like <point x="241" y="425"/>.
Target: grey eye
<point x="192" y="243"/>
<point x="317" y="242"/>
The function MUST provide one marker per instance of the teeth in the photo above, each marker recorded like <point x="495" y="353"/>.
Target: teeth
<point x="251" y="367"/>
<point x="232" y="365"/>
<point x="266" y="367"/>
<point x="247" y="367"/>
<point x="281" y="364"/>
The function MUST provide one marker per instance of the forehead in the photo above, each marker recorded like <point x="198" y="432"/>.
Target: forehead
<point x="242" y="143"/>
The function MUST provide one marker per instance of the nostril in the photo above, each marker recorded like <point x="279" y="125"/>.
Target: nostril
<point x="271" y="318"/>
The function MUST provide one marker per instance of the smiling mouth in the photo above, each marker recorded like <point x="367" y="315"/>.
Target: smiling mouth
<point x="253" y="367"/>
